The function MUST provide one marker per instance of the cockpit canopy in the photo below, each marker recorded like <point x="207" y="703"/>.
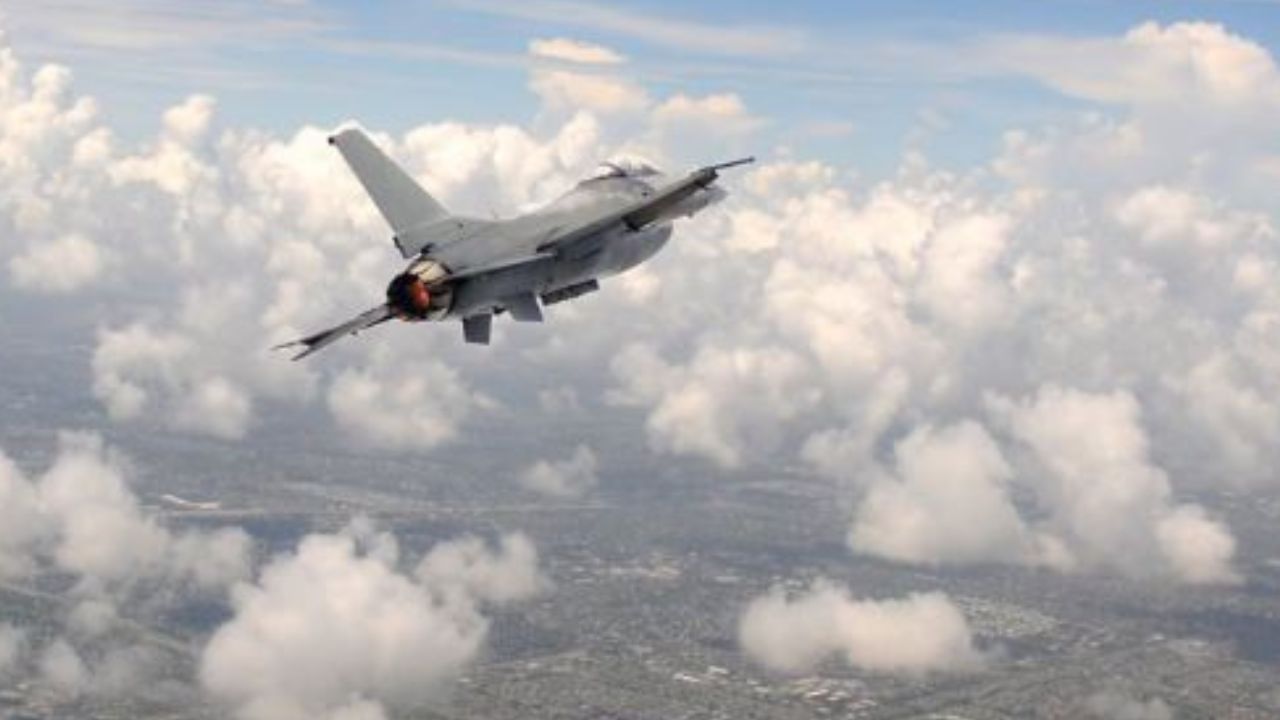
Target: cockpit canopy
<point x="623" y="167"/>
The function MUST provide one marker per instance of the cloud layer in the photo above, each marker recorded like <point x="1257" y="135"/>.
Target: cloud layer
<point x="1081" y="322"/>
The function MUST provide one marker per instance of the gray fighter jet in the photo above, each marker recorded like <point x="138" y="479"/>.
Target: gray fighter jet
<point x="473" y="269"/>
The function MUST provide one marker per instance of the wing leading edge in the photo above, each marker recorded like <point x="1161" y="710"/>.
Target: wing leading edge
<point x="642" y="212"/>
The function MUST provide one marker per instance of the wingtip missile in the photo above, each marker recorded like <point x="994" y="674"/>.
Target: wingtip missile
<point x="307" y="349"/>
<point x="733" y="163"/>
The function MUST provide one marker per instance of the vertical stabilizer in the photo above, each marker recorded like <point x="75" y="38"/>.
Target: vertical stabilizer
<point x="399" y="198"/>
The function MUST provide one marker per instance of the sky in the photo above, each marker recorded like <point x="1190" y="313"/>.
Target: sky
<point x="1004" y="276"/>
<point x="856" y="82"/>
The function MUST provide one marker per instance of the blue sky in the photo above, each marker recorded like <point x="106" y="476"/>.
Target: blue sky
<point x="854" y="83"/>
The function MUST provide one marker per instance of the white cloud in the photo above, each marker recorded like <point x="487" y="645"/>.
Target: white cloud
<point x="947" y="502"/>
<point x="217" y="407"/>
<point x="574" y="51"/>
<point x="571" y="477"/>
<point x="410" y="406"/>
<point x="721" y="403"/>
<point x="1240" y="421"/>
<point x="1111" y="505"/>
<point x="110" y="672"/>
<point x="702" y="126"/>
<point x="81" y="517"/>
<point x="188" y="123"/>
<point x="567" y="90"/>
<point x="79" y="521"/>
<point x="362" y="635"/>
<point x="587" y="86"/>
<point x="958" y="281"/>
<point x="918" y="634"/>
<point x="1199" y="549"/>
<point x="103" y="533"/>
<point x="1180" y="64"/>
<point x="63" y="265"/>
<point x="468" y="567"/>
<point x="62" y="668"/>
<point x="1160" y="214"/>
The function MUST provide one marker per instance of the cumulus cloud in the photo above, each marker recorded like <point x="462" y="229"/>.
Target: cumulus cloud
<point x="410" y="406"/>
<point x="1240" y="421"/>
<point x="947" y="502"/>
<point x="1108" y="505"/>
<point x="915" y="635"/>
<point x="62" y="668"/>
<point x="571" y="477"/>
<point x="112" y="671"/>
<point x="362" y="634"/>
<point x="723" y="401"/>
<point x="467" y="566"/>
<point x="568" y="90"/>
<point x="62" y="265"/>
<point x="1111" y="504"/>
<point x="81" y="517"/>
<point x="1172" y="64"/>
<point x="1160" y="214"/>
<point x="138" y="371"/>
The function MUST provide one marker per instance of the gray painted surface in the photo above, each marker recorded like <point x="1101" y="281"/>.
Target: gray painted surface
<point x="470" y="269"/>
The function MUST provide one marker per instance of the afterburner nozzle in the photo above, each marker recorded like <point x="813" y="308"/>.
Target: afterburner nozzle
<point x="408" y="297"/>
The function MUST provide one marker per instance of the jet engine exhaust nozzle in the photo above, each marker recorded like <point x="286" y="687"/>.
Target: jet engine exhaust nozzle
<point x="408" y="297"/>
<point x="420" y="292"/>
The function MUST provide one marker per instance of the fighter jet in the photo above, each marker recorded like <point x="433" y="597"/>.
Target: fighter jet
<point x="472" y="269"/>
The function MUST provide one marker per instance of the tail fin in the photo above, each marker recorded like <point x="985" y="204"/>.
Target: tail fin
<point x="401" y="201"/>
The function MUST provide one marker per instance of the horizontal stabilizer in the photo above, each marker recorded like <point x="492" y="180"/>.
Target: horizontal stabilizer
<point x="364" y="320"/>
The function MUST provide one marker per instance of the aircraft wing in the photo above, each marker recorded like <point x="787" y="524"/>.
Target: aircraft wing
<point x="642" y="212"/>
<point x="478" y="270"/>
<point x="581" y="239"/>
<point x="364" y="320"/>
